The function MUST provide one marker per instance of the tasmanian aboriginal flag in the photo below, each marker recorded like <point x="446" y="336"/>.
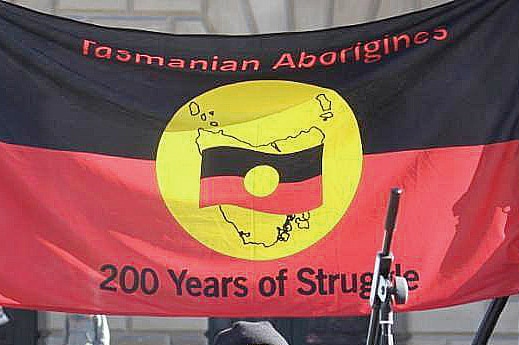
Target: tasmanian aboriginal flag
<point x="154" y="174"/>
<point x="224" y="169"/>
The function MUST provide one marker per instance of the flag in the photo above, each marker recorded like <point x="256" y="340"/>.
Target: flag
<point x="281" y="183"/>
<point x="155" y="174"/>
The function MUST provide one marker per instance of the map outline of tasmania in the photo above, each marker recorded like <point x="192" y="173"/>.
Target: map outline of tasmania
<point x="227" y="162"/>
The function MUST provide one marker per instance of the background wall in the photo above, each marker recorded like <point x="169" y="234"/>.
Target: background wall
<point x="451" y="326"/>
<point x="226" y="16"/>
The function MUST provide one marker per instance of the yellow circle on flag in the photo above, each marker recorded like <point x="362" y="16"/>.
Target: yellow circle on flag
<point x="261" y="180"/>
<point x="260" y="170"/>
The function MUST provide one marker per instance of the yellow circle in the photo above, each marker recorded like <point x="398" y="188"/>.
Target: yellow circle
<point x="261" y="181"/>
<point x="279" y="119"/>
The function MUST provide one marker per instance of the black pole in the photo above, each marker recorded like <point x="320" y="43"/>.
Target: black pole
<point x="392" y="210"/>
<point x="382" y="269"/>
<point x="487" y="325"/>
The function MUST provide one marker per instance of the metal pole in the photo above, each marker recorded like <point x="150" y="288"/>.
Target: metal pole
<point x="373" y="330"/>
<point x="487" y="325"/>
<point x="386" y="323"/>
<point x="381" y="272"/>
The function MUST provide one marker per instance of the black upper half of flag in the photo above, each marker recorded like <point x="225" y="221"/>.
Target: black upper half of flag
<point x="236" y="161"/>
<point x="445" y="76"/>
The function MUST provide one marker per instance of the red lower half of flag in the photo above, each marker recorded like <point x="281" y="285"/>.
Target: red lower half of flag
<point x="90" y="233"/>
<point x="288" y="198"/>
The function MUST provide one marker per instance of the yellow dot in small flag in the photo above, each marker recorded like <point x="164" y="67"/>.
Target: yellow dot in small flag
<point x="261" y="181"/>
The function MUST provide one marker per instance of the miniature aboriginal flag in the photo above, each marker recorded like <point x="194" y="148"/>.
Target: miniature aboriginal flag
<point x="291" y="181"/>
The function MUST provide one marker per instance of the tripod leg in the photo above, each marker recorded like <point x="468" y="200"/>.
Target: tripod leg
<point x="373" y="329"/>
<point x="386" y="324"/>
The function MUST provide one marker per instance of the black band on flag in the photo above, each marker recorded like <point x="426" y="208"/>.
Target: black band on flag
<point x="235" y="161"/>
<point x="409" y="100"/>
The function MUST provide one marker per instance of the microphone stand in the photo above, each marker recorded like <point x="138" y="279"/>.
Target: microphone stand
<point x="385" y="289"/>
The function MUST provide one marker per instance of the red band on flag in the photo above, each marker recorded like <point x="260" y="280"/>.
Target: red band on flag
<point x="288" y="198"/>
<point x="443" y="247"/>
